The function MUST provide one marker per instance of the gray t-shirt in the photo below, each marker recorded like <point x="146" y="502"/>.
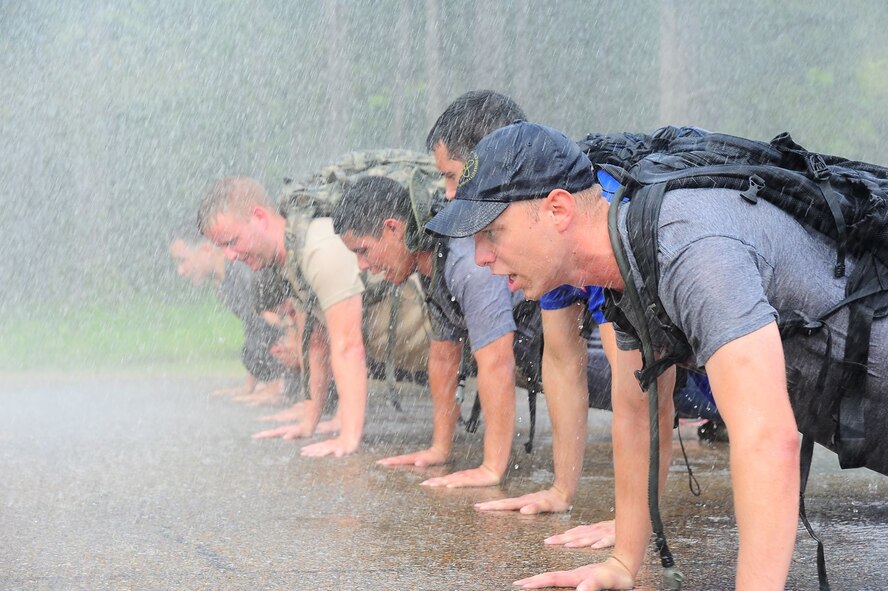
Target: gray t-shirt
<point x="468" y="301"/>
<point x="236" y="293"/>
<point x="728" y="268"/>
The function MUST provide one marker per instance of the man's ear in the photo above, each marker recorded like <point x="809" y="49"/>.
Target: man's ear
<point x="560" y="206"/>
<point x="395" y="226"/>
<point x="260" y="213"/>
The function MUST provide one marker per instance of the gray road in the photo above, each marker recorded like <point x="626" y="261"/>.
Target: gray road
<point x="146" y="482"/>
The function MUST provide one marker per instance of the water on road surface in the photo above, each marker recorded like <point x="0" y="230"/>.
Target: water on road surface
<point x="149" y="483"/>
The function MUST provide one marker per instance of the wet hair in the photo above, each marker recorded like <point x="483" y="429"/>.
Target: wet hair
<point x="186" y="232"/>
<point x="233" y="194"/>
<point x="270" y="289"/>
<point x="469" y="118"/>
<point x="368" y="203"/>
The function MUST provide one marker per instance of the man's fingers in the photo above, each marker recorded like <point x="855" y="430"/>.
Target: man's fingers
<point x="437" y="481"/>
<point x="334" y="447"/>
<point x="267" y="434"/>
<point x="512" y="504"/>
<point x="396" y="461"/>
<point x="475" y="477"/>
<point x="316" y="450"/>
<point x="539" y="502"/>
<point x="534" y="508"/>
<point x="596" y="535"/>
<point x="420" y="459"/>
<point x="327" y="427"/>
<point x="563" y="578"/>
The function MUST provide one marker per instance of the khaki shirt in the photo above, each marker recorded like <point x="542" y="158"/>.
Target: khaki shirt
<point x="412" y="333"/>
<point x="326" y="273"/>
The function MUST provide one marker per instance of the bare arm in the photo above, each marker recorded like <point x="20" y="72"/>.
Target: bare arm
<point x="748" y="378"/>
<point x="564" y="384"/>
<point x="631" y="453"/>
<point x="444" y="359"/>
<point x="309" y="411"/>
<point x="601" y="534"/>
<point x="349" y="367"/>
<point x="496" y="386"/>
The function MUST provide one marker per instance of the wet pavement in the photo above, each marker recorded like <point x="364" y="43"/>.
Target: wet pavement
<point x="147" y="482"/>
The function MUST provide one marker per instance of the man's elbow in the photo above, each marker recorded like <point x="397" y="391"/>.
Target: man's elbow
<point x="776" y="441"/>
<point x="349" y="350"/>
<point x="500" y="368"/>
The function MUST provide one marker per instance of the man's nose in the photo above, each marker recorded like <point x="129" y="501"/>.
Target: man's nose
<point x="450" y="189"/>
<point x="363" y="264"/>
<point x="484" y="255"/>
<point x="230" y="254"/>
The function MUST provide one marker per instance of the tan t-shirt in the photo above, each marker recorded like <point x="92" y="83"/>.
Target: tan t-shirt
<point x="329" y="270"/>
<point x="326" y="267"/>
<point x="412" y="332"/>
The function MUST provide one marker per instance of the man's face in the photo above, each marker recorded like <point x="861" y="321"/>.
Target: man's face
<point x="450" y="168"/>
<point x="194" y="262"/>
<point x="518" y="245"/>
<point x="246" y="239"/>
<point x="386" y="254"/>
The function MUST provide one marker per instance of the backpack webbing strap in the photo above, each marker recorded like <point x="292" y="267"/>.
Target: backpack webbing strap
<point x="532" y="392"/>
<point x="851" y="433"/>
<point x="641" y="222"/>
<point x="821" y="175"/>
<point x="805" y="456"/>
<point x="474" y="420"/>
<point x="471" y="424"/>
<point x="307" y="330"/>
<point x="673" y="577"/>
<point x="534" y="388"/>
<point x="390" y="381"/>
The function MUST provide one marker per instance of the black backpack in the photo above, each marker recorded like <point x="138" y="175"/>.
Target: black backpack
<point x="842" y="199"/>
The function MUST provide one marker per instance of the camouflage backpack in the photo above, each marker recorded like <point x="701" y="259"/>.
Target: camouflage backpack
<point x="316" y="195"/>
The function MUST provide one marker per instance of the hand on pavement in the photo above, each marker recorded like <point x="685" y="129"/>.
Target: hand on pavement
<point x="480" y="476"/>
<point x="235" y="391"/>
<point x="294" y="413"/>
<point x="337" y="446"/>
<point x="597" y="535"/>
<point x="426" y="457"/>
<point x="331" y="426"/>
<point x="610" y="574"/>
<point x="286" y="432"/>
<point x="545" y="501"/>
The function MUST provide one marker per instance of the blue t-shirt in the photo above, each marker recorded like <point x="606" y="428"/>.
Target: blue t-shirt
<point x="468" y="301"/>
<point x="564" y="296"/>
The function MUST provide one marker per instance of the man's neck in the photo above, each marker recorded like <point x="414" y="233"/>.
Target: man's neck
<point x="218" y="270"/>
<point x="593" y="254"/>
<point x="425" y="262"/>
<point x="278" y="226"/>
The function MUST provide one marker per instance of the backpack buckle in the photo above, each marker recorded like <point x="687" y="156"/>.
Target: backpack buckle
<point x="811" y="326"/>
<point x="817" y="167"/>
<point x="756" y="184"/>
<point x="640" y="376"/>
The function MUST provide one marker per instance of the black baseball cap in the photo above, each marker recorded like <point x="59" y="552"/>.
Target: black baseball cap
<point x="514" y="163"/>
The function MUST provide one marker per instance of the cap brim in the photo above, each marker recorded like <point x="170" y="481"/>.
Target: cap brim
<point x="461" y="217"/>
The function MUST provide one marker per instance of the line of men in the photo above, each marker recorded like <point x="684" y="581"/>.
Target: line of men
<point x="538" y="216"/>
